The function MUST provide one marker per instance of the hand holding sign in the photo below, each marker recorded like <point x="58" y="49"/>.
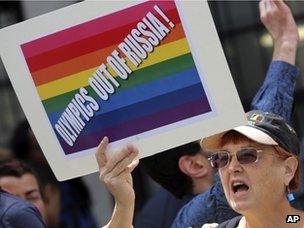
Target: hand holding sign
<point x="115" y="173"/>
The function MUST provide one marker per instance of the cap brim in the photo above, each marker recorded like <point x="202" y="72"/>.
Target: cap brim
<point x="255" y="134"/>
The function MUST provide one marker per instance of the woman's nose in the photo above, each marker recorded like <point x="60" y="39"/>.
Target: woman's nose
<point x="234" y="165"/>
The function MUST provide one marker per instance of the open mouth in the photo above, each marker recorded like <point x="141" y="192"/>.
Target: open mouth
<point x="239" y="186"/>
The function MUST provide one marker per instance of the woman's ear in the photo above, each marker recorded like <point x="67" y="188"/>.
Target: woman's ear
<point x="291" y="165"/>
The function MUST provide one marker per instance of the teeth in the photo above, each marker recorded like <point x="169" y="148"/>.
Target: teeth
<point x="237" y="183"/>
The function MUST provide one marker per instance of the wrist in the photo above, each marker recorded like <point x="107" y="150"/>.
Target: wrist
<point x="125" y="201"/>
<point x="285" y="51"/>
<point x="122" y="216"/>
<point x="286" y="45"/>
<point x="126" y="206"/>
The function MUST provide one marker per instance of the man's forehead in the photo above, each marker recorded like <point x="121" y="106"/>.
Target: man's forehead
<point x="26" y="179"/>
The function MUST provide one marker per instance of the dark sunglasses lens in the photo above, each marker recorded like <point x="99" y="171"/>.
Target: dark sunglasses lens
<point x="247" y="156"/>
<point x="220" y="159"/>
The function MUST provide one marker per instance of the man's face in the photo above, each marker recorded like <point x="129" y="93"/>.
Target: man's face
<point x="25" y="187"/>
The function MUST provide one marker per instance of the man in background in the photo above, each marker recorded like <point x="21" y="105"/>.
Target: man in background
<point x="70" y="197"/>
<point x="183" y="172"/>
<point x="19" y="180"/>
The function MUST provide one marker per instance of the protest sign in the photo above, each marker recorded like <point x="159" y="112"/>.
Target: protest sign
<point x="150" y="73"/>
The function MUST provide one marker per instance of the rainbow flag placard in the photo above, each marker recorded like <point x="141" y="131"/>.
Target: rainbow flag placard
<point x="118" y="75"/>
<point x="150" y="73"/>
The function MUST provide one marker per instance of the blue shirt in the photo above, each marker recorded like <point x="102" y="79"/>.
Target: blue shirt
<point x="17" y="213"/>
<point x="160" y="210"/>
<point x="75" y="211"/>
<point x="276" y="96"/>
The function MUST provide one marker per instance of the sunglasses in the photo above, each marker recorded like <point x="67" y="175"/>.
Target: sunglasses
<point x="244" y="156"/>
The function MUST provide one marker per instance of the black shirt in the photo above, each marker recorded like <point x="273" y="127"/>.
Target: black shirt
<point x="231" y="223"/>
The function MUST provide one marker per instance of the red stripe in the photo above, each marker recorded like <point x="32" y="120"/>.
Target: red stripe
<point x="92" y="28"/>
<point x="87" y="61"/>
<point x="85" y="46"/>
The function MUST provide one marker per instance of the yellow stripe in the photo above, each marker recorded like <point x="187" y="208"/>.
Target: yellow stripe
<point x="80" y="79"/>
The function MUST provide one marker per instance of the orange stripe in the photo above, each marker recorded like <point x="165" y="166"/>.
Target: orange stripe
<point x="89" y="60"/>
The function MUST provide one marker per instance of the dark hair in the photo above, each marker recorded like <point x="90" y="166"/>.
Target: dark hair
<point x="15" y="168"/>
<point x="24" y="145"/>
<point x="164" y="169"/>
<point x="45" y="175"/>
<point x="20" y="140"/>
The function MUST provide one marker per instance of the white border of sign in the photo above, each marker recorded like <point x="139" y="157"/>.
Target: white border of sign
<point x="204" y="44"/>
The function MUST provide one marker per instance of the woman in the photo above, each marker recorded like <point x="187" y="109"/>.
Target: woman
<point x="259" y="167"/>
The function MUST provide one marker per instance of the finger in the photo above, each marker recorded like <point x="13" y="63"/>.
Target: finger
<point x="133" y="165"/>
<point x="135" y="162"/>
<point x="262" y="8"/>
<point x="126" y="173"/>
<point x="100" y="153"/>
<point x="132" y="148"/>
<point x="119" y="156"/>
<point x="123" y="164"/>
<point x="281" y="5"/>
<point x="267" y="6"/>
<point x="272" y="5"/>
<point x="274" y="10"/>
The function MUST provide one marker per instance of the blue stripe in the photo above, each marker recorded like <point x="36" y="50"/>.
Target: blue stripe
<point x="145" y="108"/>
<point x="143" y="92"/>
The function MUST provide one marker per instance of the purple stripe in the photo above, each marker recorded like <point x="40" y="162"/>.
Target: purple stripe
<point x="140" y="125"/>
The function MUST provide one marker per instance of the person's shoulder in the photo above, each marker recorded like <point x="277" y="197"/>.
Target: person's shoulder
<point x="9" y="202"/>
<point x="14" y="210"/>
<point x="231" y="223"/>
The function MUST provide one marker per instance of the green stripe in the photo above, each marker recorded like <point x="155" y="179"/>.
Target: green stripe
<point x="144" y="75"/>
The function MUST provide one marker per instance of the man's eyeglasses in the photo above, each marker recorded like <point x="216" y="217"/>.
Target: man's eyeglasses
<point x="222" y="158"/>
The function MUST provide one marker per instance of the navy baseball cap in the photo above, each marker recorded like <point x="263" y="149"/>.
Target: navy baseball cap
<point x="264" y="128"/>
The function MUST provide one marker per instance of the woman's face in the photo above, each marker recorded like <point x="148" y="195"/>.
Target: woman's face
<point x="253" y="186"/>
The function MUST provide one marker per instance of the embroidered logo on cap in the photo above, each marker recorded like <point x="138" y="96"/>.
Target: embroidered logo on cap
<point x="255" y="118"/>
